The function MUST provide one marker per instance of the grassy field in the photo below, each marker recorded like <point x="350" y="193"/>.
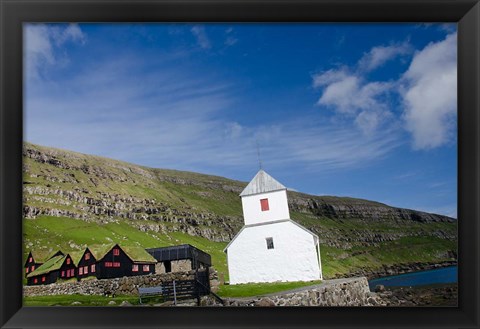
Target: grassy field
<point x="67" y="300"/>
<point x="255" y="289"/>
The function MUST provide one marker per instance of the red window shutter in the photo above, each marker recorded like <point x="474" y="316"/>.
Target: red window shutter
<point x="264" y="204"/>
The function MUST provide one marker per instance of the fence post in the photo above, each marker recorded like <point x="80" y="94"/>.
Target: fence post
<point x="174" y="294"/>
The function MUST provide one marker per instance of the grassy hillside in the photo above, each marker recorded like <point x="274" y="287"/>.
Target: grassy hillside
<point x="72" y="200"/>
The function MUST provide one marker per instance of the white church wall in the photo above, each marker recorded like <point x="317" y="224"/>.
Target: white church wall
<point x="294" y="257"/>
<point x="278" y="204"/>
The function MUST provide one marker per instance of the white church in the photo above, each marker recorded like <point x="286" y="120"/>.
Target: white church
<point x="271" y="247"/>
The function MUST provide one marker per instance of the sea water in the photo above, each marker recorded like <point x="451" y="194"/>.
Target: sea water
<point x="421" y="278"/>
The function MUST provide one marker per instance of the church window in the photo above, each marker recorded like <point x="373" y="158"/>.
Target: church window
<point x="264" y="204"/>
<point x="269" y="243"/>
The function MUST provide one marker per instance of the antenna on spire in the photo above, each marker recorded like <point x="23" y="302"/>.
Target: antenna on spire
<point x="258" y="154"/>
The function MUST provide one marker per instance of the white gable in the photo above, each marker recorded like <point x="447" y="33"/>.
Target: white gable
<point x="261" y="183"/>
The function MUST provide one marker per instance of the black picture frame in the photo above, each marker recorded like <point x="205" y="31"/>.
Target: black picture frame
<point x="15" y="12"/>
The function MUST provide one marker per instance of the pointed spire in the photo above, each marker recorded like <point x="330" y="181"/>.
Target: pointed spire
<point x="262" y="183"/>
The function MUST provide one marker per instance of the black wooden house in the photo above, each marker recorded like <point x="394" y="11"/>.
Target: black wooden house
<point x="57" y="267"/>
<point x="122" y="261"/>
<point x="35" y="260"/>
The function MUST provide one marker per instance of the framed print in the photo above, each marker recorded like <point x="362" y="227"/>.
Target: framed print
<point x="262" y="164"/>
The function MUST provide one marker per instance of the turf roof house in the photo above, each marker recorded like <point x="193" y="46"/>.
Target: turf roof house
<point x="61" y="266"/>
<point x="271" y="247"/>
<point x="113" y="261"/>
<point x="34" y="260"/>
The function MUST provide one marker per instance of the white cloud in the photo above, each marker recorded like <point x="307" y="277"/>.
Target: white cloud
<point x="349" y="94"/>
<point x="379" y="55"/>
<point x="201" y="36"/>
<point x="41" y="42"/>
<point x="429" y="90"/>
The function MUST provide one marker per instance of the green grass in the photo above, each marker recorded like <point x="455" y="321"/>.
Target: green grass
<point x="67" y="300"/>
<point x="256" y="289"/>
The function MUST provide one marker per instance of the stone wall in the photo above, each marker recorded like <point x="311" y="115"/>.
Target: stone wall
<point x="339" y="292"/>
<point x="118" y="286"/>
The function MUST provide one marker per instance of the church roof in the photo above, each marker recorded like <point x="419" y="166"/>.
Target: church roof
<point x="261" y="183"/>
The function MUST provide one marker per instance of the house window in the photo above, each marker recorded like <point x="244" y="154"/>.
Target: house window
<point x="134" y="268"/>
<point x="72" y="271"/>
<point x="32" y="268"/>
<point x="146" y="268"/>
<point x="108" y="264"/>
<point x="264" y="204"/>
<point x="30" y="259"/>
<point x="68" y="261"/>
<point x="92" y="268"/>
<point x="63" y="274"/>
<point x="26" y="270"/>
<point x="35" y="280"/>
<point x="80" y="271"/>
<point x="85" y="270"/>
<point x="43" y="278"/>
<point x="87" y="256"/>
<point x="116" y="252"/>
<point x="269" y="243"/>
<point x="116" y="264"/>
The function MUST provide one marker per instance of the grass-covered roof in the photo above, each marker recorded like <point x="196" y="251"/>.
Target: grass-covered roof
<point x="51" y="265"/>
<point x="76" y="256"/>
<point x="138" y="254"/>
<point x="100" y="250"/>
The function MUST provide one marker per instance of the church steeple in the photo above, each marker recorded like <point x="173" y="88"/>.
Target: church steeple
<point x="262" y="183"/>
<point x="264" y="200"/>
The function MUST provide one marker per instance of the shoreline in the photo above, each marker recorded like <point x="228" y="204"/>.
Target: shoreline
<point x="387" y="271"/>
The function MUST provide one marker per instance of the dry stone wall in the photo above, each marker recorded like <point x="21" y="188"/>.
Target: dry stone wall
<point x="339" y="292"/>
<point x="118" y="286"/>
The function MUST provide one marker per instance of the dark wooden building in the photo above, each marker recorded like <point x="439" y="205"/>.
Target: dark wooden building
<point x="122" y="261"/>
<point x="57" y="267"/>
<point x="179" y="258"/>
<point x="87" y="263"/>
<point x="35" y="260"/>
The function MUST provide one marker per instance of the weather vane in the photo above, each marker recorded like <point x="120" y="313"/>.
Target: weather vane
<point x="258" y="155"/>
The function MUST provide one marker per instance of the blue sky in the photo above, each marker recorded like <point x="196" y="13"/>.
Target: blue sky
<point x="360" y="110"/>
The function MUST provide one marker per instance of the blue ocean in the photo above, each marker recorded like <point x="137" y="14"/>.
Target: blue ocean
<point x="421" y="278"/>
